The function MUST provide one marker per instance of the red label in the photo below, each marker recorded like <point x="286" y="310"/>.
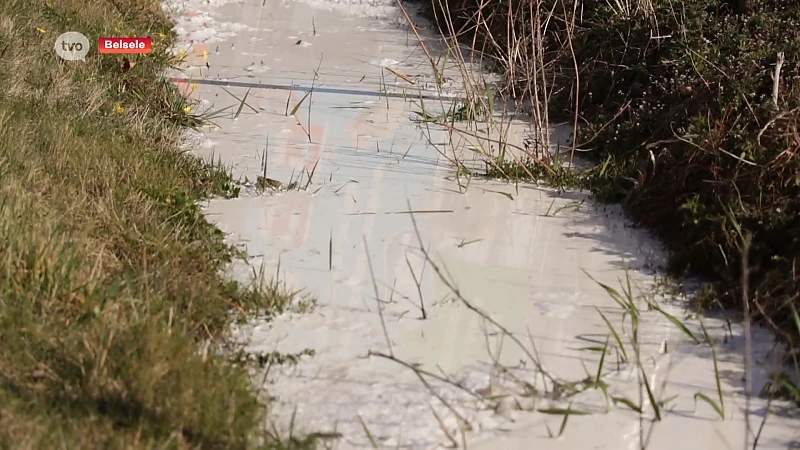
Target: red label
<point x="119" y="45"/>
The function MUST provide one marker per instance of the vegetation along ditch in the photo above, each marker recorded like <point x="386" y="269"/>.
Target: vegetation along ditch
<point x="111" y="284"/>
<point x="690" y="111"/>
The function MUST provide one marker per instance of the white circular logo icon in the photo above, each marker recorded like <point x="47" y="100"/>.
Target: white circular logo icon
<point x="72" y="46"/>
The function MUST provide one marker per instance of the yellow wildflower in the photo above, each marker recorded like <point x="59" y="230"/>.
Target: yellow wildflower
<point x="118" y="108"/>
<point x="187" y="109"/>
<point x="41" y="30"/>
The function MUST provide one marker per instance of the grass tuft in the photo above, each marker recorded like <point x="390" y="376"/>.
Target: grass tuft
<point x="110" y="276"/>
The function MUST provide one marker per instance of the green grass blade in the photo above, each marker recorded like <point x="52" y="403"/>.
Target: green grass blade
<point x="299" y="104"/>
<point x="371" y="438"/>
<point x="242" y="102"/>
<point x="713" y="346"/>
<point x="651" y="397"/>
<point x="613" y="293"/>
<point x="716" y="406"/>
<point x="563" y="425"/>
<point x="563" y="411"/>
<point x="628" y="403"/>
<point x="680" y="325"/>
<point x="602" y="362"/>
<point x="796" y="317"/>
<point x="615" y="335"/>
<point x="241" y="105"/>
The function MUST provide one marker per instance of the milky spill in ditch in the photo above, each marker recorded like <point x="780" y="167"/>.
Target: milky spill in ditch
<point x="523" y="255"/>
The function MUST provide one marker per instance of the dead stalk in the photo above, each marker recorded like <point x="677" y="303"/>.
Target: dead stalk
<point x="463" y="422"/>
<point x="446" y="280"/>
<point x="748" y="338"/>
<point x="776" y="80"/>
<point x="378" y="298"/>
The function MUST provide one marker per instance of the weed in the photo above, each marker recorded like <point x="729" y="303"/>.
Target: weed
<point x="692" y="120"/>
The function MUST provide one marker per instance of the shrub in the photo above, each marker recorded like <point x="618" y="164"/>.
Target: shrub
<point x="679" y="98"/>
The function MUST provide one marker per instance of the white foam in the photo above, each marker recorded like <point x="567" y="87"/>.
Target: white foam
<point x="374" y="9"/>
<point x="198" y="21"/>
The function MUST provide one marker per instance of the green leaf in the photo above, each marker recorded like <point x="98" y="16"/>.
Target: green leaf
<point x="716" y="406"/>
<point x="627" y="402"/>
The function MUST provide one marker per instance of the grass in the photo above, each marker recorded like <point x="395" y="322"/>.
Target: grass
<point x="558" y="396"/>
<point x="560" y="82"/>
<point x="113" y="306"/>
<point x="644" y="85"/>
<point x="475" y="117"/>
<point x="691" y="120"/>
<point x="654" y="401"/>
<point x="112" y="303"/>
